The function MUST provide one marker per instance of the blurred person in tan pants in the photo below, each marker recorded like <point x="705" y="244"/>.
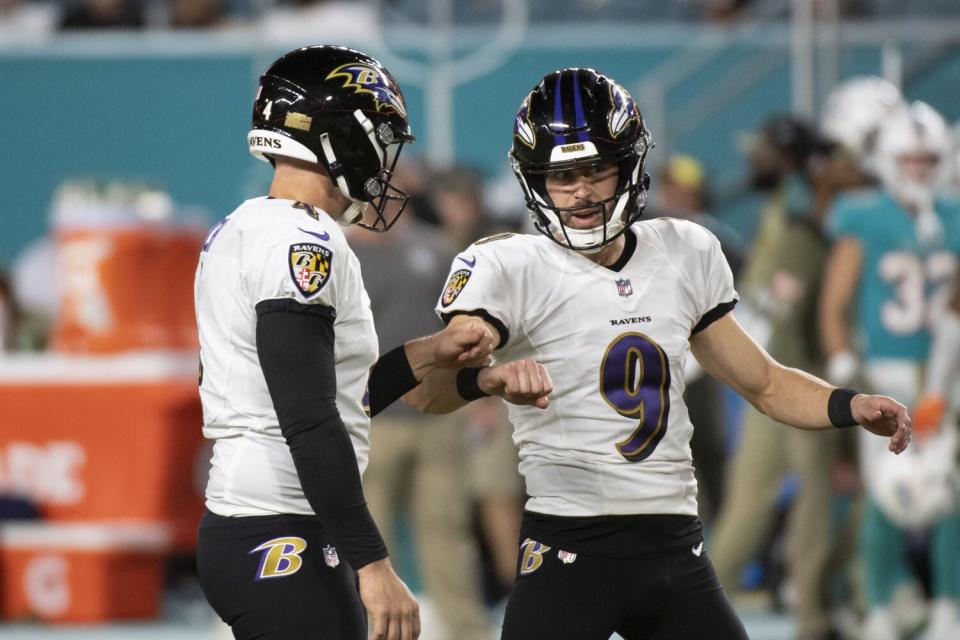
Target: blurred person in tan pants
<point x="793" y="260"/>
<point x="495" y="484"/>
<point x="417" y="461"/>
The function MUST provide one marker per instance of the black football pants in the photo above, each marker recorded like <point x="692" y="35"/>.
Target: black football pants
<point x="278" y="577"/>
<point x="670" y="596"/>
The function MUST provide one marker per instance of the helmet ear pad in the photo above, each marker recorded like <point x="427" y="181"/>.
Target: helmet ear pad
<point x="351" y="160"/>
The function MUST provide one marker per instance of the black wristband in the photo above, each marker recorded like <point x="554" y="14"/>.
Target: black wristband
<point x="467" y="385"/>
<point x="838" y="408"/>
<point x="390" y="378"/>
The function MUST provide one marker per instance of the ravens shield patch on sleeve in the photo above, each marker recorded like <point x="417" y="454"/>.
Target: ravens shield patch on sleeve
<point x="310" y="266"/>
<point x="456" y="283"/>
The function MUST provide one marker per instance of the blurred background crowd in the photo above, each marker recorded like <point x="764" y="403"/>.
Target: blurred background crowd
<point x="818" y="139"/>
<point x="43" y="17"/>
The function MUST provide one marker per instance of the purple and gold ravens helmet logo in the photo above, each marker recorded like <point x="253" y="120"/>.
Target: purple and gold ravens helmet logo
<point x="623" y="112"/>
<point x="366" y="78"/>
<point x="456" y="283"/>
<point x="523" y="126"/>
<point x="310" y="266"/>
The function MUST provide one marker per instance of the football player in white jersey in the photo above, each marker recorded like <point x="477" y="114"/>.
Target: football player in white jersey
<point x="611" y="541"/>
<point x="289" y="369"/>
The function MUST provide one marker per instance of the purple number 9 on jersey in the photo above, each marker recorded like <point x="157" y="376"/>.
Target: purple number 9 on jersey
<point x="635" y="381"/>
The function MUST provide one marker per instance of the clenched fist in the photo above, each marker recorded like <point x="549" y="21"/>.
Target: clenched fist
<point x="467" y="343"/>
<point x="518" y="382"/>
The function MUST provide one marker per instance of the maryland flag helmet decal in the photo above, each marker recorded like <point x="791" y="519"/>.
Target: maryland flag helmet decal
<point x="310" y="266"/>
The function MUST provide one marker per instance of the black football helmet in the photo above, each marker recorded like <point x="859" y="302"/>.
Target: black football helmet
<point x="577" y="118"/>
<point x="342" y="109"/>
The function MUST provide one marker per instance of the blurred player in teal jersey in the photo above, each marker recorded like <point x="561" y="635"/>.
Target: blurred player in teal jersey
<point x="895" y="253"/>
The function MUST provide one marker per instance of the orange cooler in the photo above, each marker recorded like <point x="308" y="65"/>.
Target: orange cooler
<point x="81" y="572"/>
<point x="126" y="287"/>
<point x="108" y="438"/>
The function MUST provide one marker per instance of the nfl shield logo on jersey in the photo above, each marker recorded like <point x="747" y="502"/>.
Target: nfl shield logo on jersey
<point x="310" y="266"/>
<point x="330" y="556"/>
<point x="624" y="288"/>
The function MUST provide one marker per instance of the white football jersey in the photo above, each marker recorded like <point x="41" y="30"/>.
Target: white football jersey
<point x="272" y="249"/>
<point x="616" y="437"/>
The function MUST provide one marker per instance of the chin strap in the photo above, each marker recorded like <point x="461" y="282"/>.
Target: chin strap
<point x="353" y="214"/>
<point x="332" y="164"/>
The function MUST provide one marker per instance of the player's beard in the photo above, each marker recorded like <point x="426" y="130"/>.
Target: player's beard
<point x="587" y="218"/>
<point x="597" y="226"/>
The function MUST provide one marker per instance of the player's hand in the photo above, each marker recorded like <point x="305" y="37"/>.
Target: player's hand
<point x="392" y="608"/>
<point x="518" y="382"/>
<point x="467" y="343"/>
<point x="885" y="417"/>
<point x="928" y="414"/>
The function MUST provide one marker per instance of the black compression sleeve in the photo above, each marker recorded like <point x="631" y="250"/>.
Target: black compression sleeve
<point x="295" y="347"/>
<point x="390" y="378"/>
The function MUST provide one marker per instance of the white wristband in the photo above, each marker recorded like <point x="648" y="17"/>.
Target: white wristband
<point x="841" y="368"/>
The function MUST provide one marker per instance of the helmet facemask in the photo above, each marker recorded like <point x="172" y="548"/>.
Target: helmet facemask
<point x="627" y="201"/>
<point x="370" y="185"/>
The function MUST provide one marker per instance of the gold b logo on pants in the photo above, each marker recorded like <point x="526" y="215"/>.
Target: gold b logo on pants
<point x="532" y="556"/>
<point x="281" y="557"/>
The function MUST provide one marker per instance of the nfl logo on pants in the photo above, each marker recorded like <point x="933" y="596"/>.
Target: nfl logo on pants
<point x="330" y="556"/>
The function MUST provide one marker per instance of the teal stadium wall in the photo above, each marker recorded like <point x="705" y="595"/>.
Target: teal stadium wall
<point x="174" y="111"/>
